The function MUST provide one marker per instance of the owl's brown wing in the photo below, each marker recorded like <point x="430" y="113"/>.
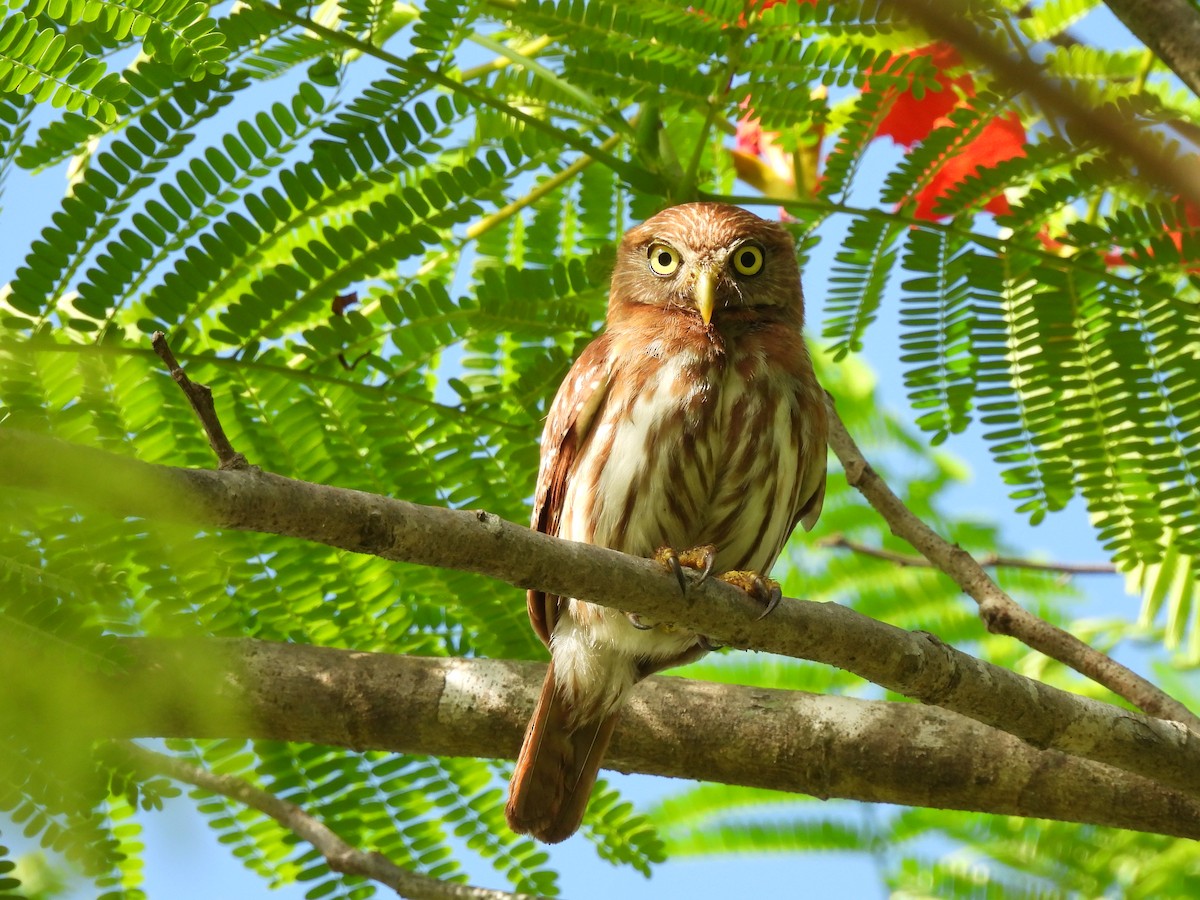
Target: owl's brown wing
<point x="812" y="488"/>
<point x="813" y="464"/>
<point x="567" y="425"/>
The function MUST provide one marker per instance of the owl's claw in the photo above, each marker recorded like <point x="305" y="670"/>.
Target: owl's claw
<point x="636" y="621"/>
<point x="774" y="595"/>
<point x="676" y="567"/>
<point x="764" y="590"/>
<point x="702" y="558"/>
<point x="709" y="557"/>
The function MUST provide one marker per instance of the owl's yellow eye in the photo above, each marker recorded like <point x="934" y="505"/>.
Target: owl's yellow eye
<point x="664" y="260"/>
<point x="748" y="259"/>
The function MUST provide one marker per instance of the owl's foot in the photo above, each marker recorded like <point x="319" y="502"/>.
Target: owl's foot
<point x="642" y="625"/>
<point x="764" y="590"/>
<point x="701" y="558"/>
<point x="707" y="643"/>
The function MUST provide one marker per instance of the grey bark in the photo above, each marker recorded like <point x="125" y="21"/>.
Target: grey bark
<point x="915" y="664"/>
<point x="825" y="746"/>
<point x="1170" y="28"/>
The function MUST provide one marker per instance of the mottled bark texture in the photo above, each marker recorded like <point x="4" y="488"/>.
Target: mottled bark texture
<point x="826" y="746"/>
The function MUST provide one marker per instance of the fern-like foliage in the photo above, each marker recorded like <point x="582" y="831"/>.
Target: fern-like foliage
<point x="859" y="279"/>
<point x="39" y="63"/>
<point x="382" y="232"/>
<point x="10" y="884"/>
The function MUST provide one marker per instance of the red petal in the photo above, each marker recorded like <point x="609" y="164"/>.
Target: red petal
<point x="909" y="120"/>
<point x="776" y="169"/>
<point x="748" y="138"/>
<point x="1000" y="139"/>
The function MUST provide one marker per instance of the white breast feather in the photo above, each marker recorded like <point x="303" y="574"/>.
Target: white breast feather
<point x="596" y="649"/>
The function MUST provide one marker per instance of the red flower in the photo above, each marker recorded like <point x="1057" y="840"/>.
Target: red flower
<point x="1002" y="138"/>
<point x="749" y="136"/>
<point x="1191" y="217"/>
<point x="760" y="161"/>
<point x="1112" y="258"/>
<point x="909" y="120"/>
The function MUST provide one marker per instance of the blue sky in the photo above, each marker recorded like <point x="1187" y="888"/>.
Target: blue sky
<point x="184" y="861"/>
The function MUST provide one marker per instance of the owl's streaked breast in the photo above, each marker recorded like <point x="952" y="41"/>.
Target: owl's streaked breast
<point x="724" y="468"/>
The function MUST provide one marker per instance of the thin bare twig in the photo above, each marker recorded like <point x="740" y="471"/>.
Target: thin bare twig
<point x="987" y="561"/>
<point x="201" y="398"/>
<point x="340" y="856"/>
<point x="999" y="611"/>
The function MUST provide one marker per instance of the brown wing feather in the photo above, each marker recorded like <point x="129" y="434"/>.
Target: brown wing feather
<point x="556" y="768"/>
<point x="812" y="489"/>
<point x="567" y="427"/>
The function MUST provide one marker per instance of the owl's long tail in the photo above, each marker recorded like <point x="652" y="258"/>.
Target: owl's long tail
<point x="556" y="768"/>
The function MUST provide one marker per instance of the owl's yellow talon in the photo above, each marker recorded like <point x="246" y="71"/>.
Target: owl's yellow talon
<point x="702" y="558"/>
<point x="764" y="590"/>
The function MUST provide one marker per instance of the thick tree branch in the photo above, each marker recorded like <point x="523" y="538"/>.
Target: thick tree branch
<point x="1170" y="28"/>
<point x="826" y="746"/>
<point x="915" y="664"/>
<point x="987" y="561"/>
<point x="1002" y="614"/>
<point x="340" y="856"/>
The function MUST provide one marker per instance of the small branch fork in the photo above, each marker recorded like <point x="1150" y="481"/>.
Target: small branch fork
<point x="987" y="561"/>
<point x="201" y="398"/>
<point x="999" y="611"/>
<point x="340" y="856"/>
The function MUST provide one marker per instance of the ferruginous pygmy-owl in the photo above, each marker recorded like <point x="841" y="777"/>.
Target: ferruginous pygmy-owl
<point x="693" y="422"/>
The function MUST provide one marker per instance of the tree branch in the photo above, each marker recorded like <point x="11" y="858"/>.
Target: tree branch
<point x="915" y="664"/>
<point x="987" y="561"/>
<point x="1170" y="28"/>
<point x="1108" y="127"/>
<point x="999" y="611"/>
<point x="340" y="856"/>
<point x="826" y="746"/>
<point x="201" y="399"/>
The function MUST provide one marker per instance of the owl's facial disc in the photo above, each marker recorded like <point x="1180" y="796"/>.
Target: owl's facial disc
<point x="709" y="277"/>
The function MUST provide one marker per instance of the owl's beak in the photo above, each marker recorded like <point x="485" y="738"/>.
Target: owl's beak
<point x="704" y="292"/>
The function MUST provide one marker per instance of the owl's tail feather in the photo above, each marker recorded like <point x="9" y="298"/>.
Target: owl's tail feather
<point x="556" y="768"/>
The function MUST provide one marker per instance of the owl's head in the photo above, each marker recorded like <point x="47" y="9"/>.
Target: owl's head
<point x="705" y="258"/>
